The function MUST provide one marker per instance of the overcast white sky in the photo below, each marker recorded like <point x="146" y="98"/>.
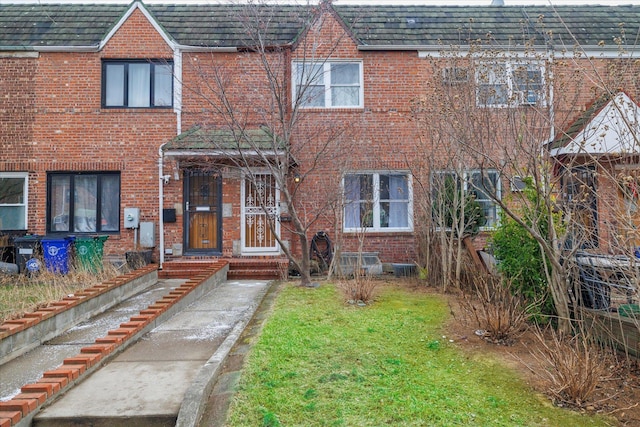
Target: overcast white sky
<point x="363" y="2"/>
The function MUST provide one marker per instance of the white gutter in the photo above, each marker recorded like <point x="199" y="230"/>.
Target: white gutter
<point x="221" y="153"/>
<point x="224" y="49"/>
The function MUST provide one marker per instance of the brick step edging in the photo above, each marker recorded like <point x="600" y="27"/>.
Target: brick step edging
<point x="17" y="336"/>
<point x="22" y="408"/>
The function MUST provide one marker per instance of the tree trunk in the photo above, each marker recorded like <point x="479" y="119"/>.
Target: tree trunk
<point x="560" y="294"/>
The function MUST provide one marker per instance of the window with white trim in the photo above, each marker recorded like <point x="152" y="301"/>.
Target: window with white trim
<point x="330" y="84"/>
<point x="377" y="201"/>
<point x="509" y="84"/>
<point x="448" y="192"/>
<point x="482" y="185"/>
<point x="13" y="200"/>
<point x="137" y="84"/>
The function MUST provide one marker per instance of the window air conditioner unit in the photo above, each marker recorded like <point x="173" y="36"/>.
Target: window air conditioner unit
<point x="455" y="75"/>
<point x="517" y="184"/>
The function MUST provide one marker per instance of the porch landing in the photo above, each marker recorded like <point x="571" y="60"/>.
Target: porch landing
<point x="264" y="268"/>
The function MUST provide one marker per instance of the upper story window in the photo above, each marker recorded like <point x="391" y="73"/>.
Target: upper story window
<point x="330" y="84"/>
<point x="137" y="84"/>
<point x="508" y="84"/>
<point x="13" y="200"/>
<point x="83" y="202"/>
<point x="377" y="201"/>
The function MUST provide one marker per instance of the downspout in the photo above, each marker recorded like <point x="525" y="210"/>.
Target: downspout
<point x="552" y="118"/>
<point x="177" y="108"/>
<point x="161" y="203"/>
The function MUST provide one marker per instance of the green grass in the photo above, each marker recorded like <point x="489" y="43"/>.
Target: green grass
<point x="320" y="362"/>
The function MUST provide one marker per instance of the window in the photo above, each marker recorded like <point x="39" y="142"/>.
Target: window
<point x="581" y="204"/>
<point x="328" y="84"/>
<point x="483" y="185"/>
<point x="13" y="200"/>
<point x="137" y="84"/>
<point x="509" y="84"/>
<point x="83" y="202"/>
<point x="449" y="195"/>
<point x="377" y="201"/>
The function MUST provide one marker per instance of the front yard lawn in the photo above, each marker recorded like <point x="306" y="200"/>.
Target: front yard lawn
<point x="322" y="362"/>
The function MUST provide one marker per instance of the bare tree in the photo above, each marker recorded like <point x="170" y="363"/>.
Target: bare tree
<point x="504" y="112"/>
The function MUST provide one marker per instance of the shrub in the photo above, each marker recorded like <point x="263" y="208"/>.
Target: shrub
<point x="520" y="261"/>
<point x="572" y="365"/>
<point x="498" y="311"/>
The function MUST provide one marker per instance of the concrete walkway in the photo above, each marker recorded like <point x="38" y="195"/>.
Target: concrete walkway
<point x="166" y="377"/>
<point x="29" y="367"/>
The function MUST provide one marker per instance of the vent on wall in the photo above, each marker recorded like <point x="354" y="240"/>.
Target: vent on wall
<point x="517" y="183"/>
<point x="455" y="75"/>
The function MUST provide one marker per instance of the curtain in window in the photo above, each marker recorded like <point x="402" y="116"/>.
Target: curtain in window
<point x="352" y="206"/>
<point x="110" y="203"/>
<point x="398" y="211"/>
<point x="85" y="203"/>
<point x="345" y="87"/>
<point x="59" y="201"/>
<point x="162" y="84"/>
<point x="114" y="96"/>
<point x="139" y="85"/>
<point x="359" y="208"/>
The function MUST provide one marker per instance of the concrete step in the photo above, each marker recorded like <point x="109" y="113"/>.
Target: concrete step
<point x="239" y="268"/>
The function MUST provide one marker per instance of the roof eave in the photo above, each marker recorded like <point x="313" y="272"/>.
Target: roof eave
<point x="90" y="48"/>
<point x="222" y="153"/>
<point x="220" y="49"/>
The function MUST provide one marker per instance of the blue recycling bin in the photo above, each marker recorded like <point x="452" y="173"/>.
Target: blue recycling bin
<point x="56" y="253"/>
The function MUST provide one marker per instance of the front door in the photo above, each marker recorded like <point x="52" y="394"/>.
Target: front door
<point x="202" y="212"/>
<point x="260" y="198"/>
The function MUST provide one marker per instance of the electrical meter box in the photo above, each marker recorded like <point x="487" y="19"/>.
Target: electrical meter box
<point x="131" y="217"/>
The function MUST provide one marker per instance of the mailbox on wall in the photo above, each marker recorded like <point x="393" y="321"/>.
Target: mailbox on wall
<point x="131" y="217"/>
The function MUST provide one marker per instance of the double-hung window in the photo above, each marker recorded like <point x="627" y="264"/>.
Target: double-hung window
<point x="450" y="194"/>
<point x="508" y="84"/>
<point x="13" y="200"/>
<point x="377" y="201"/>
<point x="137" y="84"/>
<point x="331" y="84"/>
<point x="484" y="186"/>
<point x="85" y="202"/>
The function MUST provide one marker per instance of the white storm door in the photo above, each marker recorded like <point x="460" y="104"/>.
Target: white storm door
<point x="260" y="225"/>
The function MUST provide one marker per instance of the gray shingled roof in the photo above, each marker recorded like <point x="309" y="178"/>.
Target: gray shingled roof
<point x="458" y="25"/>
<point x="56" y="25"/>
<point x="38" y="25"/>
<point x="201" y="138"/>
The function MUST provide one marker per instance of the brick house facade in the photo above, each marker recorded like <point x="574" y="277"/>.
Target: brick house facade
<point x="88" y="145"/>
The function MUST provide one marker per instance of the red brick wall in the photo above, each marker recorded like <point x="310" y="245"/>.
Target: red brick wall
<point x="17" y="109"/>
<point x="70" y="131"/>
<point x="56" y="124"/>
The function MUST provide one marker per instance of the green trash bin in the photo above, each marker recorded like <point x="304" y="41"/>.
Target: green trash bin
<point x="89" y="251"/>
